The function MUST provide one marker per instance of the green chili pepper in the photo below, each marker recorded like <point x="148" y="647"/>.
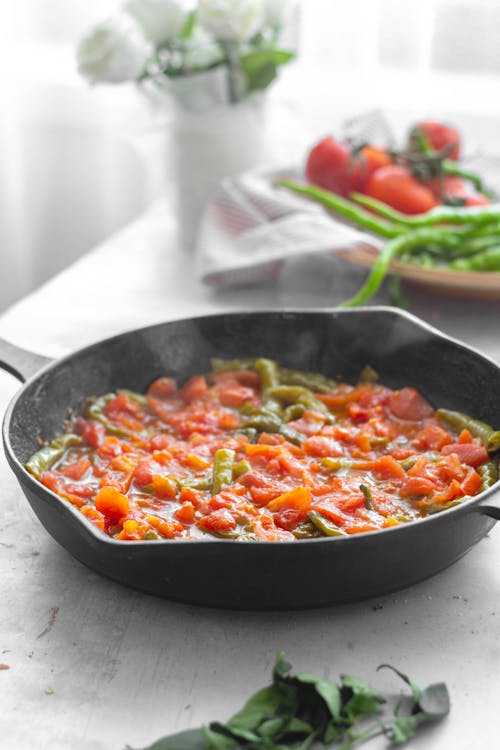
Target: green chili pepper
<point x="407" y="463"/>
<point x="367" y="494"/>
<point x="345" y="208"/>
<point x="393" y="248"/>
<point x="44" y="458"/>
<point x="222" y="469"/>
<point x="197" y="483"/>
<point x="335" y="464"/>
<point x="489" y="437"/>
<point x="475" y="215"/>
<point x="264" y="421"/>
<point x="290" y="394"/>
<point x="307" y="530"/>
<point x="293" y="436"/>
<point x="323" y="524"/>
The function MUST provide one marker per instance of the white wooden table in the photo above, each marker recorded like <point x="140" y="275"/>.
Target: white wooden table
<point x="90" y="665"/>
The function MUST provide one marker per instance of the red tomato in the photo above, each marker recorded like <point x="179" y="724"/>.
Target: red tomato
<point x="438" y="136"/>
<point x="372" y="158"/>
<point x="332" y="165"/>
<point x="450" y="187"/>
<point x="395" y="186"/>
<point x="409" y="404"/>
<point x="472" y="454"/>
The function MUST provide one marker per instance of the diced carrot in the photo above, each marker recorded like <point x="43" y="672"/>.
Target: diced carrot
<point x="194" y="462"/>
<point x="164" y="487"/>
<point x="111" y="503"/>
<point x="168" y="529"/>
<point x="465" y="437"/>
<point x="298" y="498"/>
<point x="130" y="530"/>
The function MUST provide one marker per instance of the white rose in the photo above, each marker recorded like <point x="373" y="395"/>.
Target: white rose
<point x="231" y="20"/>
<point x="109" y="54"/>
<point x="160" y="20"/>
<point x="276" y="11"/>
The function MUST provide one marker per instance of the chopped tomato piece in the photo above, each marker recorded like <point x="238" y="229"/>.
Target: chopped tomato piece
<point x="219" y="520"/>
<point x="195" y="388"/>
<point x="76" y="470"/>
<point x="298" y="498"/>
<point x="235" y="395"/>
<point x="92" y="432"/>
<point x="410" y="405"/>
<point x="162" y="388"/>
<point x="417" y="486"/>
<point x="432" y="437"/>
<point x="472" y="454"/>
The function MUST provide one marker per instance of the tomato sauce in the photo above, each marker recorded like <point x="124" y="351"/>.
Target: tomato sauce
<point x="188" y="462"/>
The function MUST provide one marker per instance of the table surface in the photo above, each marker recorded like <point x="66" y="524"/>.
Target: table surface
<point x="91" y="665"/>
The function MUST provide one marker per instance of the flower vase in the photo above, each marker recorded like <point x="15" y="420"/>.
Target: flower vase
<point x="207" y="139"/>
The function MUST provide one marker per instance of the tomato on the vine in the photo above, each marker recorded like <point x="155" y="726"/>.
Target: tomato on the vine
<point x="397" y="187"/>
<point x="332" y="165"/>
<point x="437" y="135"/>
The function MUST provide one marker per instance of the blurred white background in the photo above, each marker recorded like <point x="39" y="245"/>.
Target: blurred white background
<point x="79" y="162"/>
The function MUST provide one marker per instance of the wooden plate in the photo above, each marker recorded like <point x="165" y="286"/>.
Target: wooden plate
<point x="470" y="284"/>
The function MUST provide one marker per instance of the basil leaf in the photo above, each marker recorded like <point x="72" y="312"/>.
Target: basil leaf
<point x="279" y="700"/>
<point x="328" y="691"/>
<point x="434" y="701"/>
<point x="402" y="728"/>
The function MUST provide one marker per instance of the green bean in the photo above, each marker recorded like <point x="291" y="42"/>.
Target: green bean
<point x="489" y="437"/>
<point x="314" y="381"/>
<point x="335" y="464"/>
<point x="345" y="208"/>
<point x="393" y="248"/>
<point x="367" y="494"/>
<point x="268" y="371"/>
<point x="264" y="421"/>
<point x="292" y="412"/>
<point x="43" y="459"/>
<point x="452" y="168"/>
<point x="476" y="215"/>
<point x="488" y="473"/>
<point x="307" y="530"/>
<point x="293" y="436"/>
<point x="476" y="244"/>
<point x="487" y="260"/>
<point x="407" y="463"/>
<point x="219" y="365"/>
<point x="325" y="525"/>
<point x="290" y="394"/>
<point x="223" y="469"/>
<point x="368" y="375"/>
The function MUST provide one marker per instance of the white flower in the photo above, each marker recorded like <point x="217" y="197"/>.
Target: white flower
<point x="109" y="54"/>
<point x="231" y="20"/>
<point x="160" y="20"/>
<point x="276" y="11"/>
<point x="201" y="51"/>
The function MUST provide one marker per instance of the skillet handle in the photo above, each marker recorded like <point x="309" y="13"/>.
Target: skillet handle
<point x="489" y="510"/>
<point x="20" y="362"/>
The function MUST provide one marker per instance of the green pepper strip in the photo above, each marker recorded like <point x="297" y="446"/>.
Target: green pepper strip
<point x="323" y="524"/>
<point x="313" y="381"/>
<point x="139" y="398"/>
<point x="344" y="208"/>
<point x="222" y="469"/>
<point x="393" y="248"/>
<point x="298" y="394"/>
<point x="489" y="437"/>
<point x="95" y="410"/>
<point x="43" y="459"/>
<point x="476" y="215"/>
<point x="241" y="468"/>
<point x="488" y="473"/>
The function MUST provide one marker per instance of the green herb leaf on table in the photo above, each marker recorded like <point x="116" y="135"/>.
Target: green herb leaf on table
<point x="305" y="711"/>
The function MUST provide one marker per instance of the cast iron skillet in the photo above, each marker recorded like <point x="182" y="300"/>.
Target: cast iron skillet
<point x="260" y="575"/>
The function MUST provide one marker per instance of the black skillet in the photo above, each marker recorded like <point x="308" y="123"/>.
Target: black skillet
<point x="260" y="575"/>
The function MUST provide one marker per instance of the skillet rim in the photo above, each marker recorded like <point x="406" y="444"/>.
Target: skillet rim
<point x="95" y="536"/>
